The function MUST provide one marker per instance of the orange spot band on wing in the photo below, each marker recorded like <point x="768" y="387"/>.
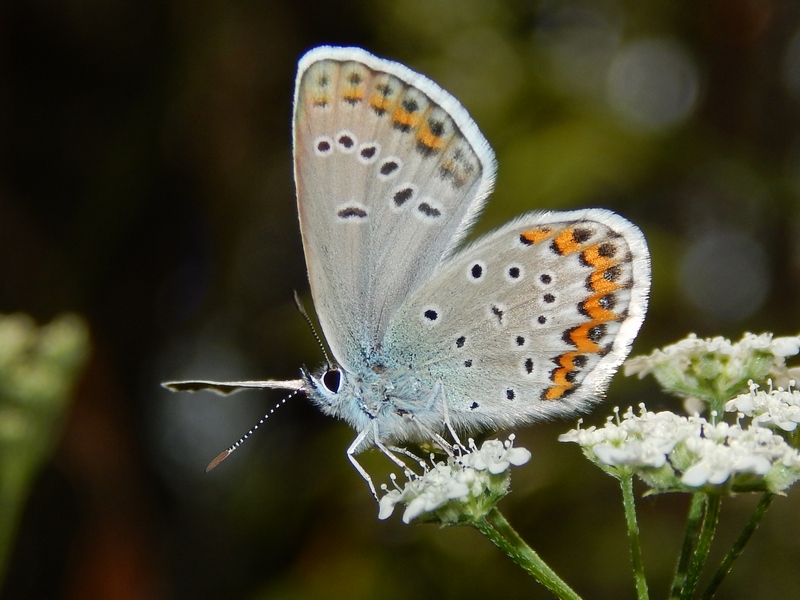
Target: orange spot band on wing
<point x="405" y="118"/>
<point x="426" y="137"/>
<point x="593" y="257"/>
<point x="580" y="337"/>
<point x="535" y="236"/>
<point x="380" y="103"/>
<point x="354" y="95"/>
<point x="565" y="242"/>
<point x="597" y="313"/>
<point x="600" y="284"/>
<point x="561" y="377"/>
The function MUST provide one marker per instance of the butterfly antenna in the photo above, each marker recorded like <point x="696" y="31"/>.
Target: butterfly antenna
<point x="226" y="453"/>
<point x="302" y="309"/>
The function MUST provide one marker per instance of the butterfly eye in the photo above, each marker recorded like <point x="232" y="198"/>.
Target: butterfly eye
<point x="331" y="380"/>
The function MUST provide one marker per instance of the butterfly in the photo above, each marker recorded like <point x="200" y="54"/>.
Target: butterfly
<point x="429" y="336"/>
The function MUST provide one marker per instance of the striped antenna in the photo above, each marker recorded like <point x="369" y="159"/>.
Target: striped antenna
<point x="226" y="453"/>
<point x="302" y="309"/>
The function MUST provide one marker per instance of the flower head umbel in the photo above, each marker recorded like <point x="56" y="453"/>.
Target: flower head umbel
<point x="674" y="453"/>
<point x="462" y="488"/>
<point x="778" y="408"/>
<point x="714" y="369"/>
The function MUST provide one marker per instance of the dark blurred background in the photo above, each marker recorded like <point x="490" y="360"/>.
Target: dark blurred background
<point x="146" y="183"/>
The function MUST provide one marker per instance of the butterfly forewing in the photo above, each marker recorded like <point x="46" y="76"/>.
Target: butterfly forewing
<point x="390" y="172"/>
<point x="531" y="320"/>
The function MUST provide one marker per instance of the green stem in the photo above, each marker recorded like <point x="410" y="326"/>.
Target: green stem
<point x="495" y="527"/>
<point x="689" y="537"/>
<point x="626" y="483"/>
<point x="707" y="531"/>
<point x="15" y="477"/>
<point x="738" y="546"/>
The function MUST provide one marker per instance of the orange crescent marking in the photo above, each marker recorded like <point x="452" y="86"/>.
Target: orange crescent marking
<point x="380" y="103"/>
<point x="565" y="242"/>
<point x="597" y="313"/>
<point x="580" y="337"/>
<point x="592" y="256"/>
<point x="354" y="95"/>
<point x="426" y="137"/>
<point x="403" y="117"/>
<point x="600" y="284"/>
<point x="535" y="236"/>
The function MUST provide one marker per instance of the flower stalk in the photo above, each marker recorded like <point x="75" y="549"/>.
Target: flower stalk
<point x="497" y="529"/>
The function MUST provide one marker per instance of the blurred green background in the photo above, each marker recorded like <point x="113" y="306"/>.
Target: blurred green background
<point x="146" y="184"/>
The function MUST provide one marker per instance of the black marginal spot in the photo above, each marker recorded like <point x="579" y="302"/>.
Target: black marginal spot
<point x="468" y="363"/>
<point x="510" y="394"/>
<point x="607" y="250"/>
<point x="579" y="361"/>
<point x="596" y="333"/>
<point x="476" y="271"/>
<point x="525" y="241"/>
<point x="554" y="248"/>
<point x="426" y="150"/>
<point x="473" y="406"/>
<point x="410" y="105"/>
<point x="607" y="302"/>
<point x="428" y="210"/>
<point x="612" y="273"/>
<point x="520" y="340"/>
<point x="581" y="234"/>
<point x="384" y="89"/>
<point x="606" y="349"/>
<point x="545" y="278"/>
<point x="323" y="81"/>
<point x="497" y="312"/>
<point x="460" y="342"/>
<point x="354" y="78"/>
<point x="431" y="314"/>
<point x="549" y="298"/>
<point x="368" y="152"/>
<point x="513" y="272"/>
<point x="351" y="212"/>
<point x="436" y="127"/>
<point x="323" y="146"/>
<point x="389" y="167"/>
<point x="346" y="141"/>
<point x="529" y="365"/>
<point x="542" y="319"/>
<point x="403" y="196"/>
<point x="570" y="376"/>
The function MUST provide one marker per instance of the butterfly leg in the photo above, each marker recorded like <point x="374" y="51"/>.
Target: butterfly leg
<point x="351" y="456"/>
<point x="406" y="452"/>
<point x="446" y="416"/>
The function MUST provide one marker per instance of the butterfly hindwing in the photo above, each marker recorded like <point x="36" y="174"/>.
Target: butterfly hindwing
<point x="531" y="320"/>
<point x="390" y="173"/>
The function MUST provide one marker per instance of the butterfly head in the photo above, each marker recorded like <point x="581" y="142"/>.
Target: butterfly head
<point x="328" y="389"/>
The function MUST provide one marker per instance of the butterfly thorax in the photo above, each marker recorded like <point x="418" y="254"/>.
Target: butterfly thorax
<point x="382" y="399"/>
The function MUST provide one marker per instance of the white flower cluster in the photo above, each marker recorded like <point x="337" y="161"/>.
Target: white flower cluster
<point x="677" y="453"/>
<point x="777" y="408"/>
<point x="714" y="369"/>
<point x="466" y="485"/>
